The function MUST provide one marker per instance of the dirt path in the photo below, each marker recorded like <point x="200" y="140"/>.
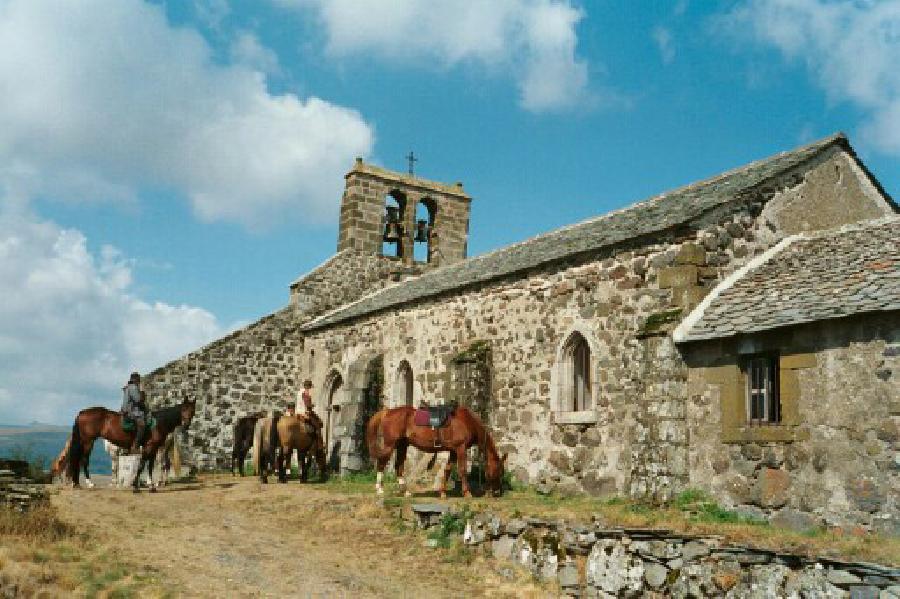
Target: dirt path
<point x="226" y="537"/>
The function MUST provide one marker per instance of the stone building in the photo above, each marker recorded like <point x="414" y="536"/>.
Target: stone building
<point x="567" y="344"/>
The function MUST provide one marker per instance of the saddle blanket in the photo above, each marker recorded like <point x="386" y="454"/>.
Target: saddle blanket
<point x="128" y="424"/>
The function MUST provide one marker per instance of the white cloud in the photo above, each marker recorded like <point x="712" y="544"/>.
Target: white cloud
<point x="665" y="43"/>
<point x="71" y="328"/>
<point x="535" y="40"/>
<point x="851" y="49"/>
<point x="102" y="98"/>
<point x="247" y="50"/>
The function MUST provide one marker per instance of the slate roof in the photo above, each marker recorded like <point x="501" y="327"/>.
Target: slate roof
<point x="832" y="274"/>
<point x="655" y="214"/>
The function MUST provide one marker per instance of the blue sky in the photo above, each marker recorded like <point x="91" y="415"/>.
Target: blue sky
<point x="167" y="168"/>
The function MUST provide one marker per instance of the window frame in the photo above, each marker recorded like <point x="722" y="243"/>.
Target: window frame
<point x="762" y="397"/>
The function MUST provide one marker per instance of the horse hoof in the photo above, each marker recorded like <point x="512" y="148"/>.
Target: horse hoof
<point x="407" y="494"/>
<point x="379" y="491"/>
<point x="153" y="489"/>
<point x="467" y="494"/>
<point x="135" y="490"/>
<point x="443" y="495"/>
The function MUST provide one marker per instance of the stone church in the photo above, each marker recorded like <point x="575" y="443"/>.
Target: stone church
<point x="740" y="335"/>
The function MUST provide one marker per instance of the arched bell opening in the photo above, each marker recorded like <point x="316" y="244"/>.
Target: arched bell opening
<point x="393" y="230"/>
<point x="423" y="231"/>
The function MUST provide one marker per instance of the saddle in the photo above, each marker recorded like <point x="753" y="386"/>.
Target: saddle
<point x="128" y="425"/>
<point x="436" y="418"/>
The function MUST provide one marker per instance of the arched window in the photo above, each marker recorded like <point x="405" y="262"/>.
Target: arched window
<point x="423" y="233"/>
<point x="403" y="386"/>
<point x="576" y="388"/>
<point x="392" y="235"/>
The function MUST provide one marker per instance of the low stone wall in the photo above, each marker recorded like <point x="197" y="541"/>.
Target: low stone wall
<point x="17" y="489"/>
<point x="594" y="560"/>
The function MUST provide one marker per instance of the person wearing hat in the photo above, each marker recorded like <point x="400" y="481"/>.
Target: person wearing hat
<point x="311" y="416"/>
<point x="134" y="408"/>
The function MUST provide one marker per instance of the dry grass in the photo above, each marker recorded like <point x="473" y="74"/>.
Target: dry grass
<point x="42" y="555"/>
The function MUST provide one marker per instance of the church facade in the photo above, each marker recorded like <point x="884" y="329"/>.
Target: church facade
<point x="664" y="346"/>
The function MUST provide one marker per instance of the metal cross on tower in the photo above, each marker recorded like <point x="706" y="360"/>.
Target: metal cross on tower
<point x="411" y="158"/>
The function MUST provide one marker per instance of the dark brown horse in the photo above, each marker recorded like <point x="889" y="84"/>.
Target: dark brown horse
<point x="243" y="440"/>
<point x="94" y="423"/>
<point x="395" y="429"/>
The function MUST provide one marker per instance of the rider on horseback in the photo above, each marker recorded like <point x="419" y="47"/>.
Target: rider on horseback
<point x="134" y="408"/>
<point x="311" y="416"/>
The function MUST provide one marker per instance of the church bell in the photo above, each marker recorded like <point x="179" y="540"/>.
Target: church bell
<point x="421" y="231"/>
<point x="392" y="229"/>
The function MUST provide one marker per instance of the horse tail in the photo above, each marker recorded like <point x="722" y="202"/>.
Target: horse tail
<point x="176" y="455"/>
<point x="257" y="445"/>
<point x="432" y="461"/>
<point x="75" y="450"/>
<point x="374" y="437"/>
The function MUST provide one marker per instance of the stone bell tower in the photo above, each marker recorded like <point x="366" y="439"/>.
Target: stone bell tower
<point x="403" y="217"/>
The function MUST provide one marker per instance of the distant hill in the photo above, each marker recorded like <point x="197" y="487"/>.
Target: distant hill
<point x="43" y="442"/>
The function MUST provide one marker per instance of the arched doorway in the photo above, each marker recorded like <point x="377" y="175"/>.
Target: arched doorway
<point x="333" y="385"/>
<point x="372" y="401"/>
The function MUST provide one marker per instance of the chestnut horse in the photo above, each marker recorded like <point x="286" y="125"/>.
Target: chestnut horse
<point x="94" y="423"/>
<point x="394" y="429"/>
<point x="274" y="441"/>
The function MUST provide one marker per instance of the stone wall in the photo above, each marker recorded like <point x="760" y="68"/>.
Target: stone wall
<point x="345" y="277"/>
<point x="595" y="560"/>
<point x="835" y="458"/>
<point x="253" y="369"/>
<point x="623" y="300"/>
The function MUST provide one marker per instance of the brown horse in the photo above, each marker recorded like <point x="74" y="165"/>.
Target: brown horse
<point x="297" y="432"/>
<point x="59" y="469"/>
<point x="94" y="423"/>
<point x="276" y="438"/>
<point x="394" y="429"/>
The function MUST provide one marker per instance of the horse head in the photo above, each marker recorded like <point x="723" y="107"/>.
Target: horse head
<point x="188" y="407"/>
<point x="493" y="473"/>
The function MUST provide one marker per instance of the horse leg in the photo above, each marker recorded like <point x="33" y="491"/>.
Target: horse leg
<point x="136" y="483"/>
<point x="88" y="448"/>
<point x="279" y="464"/>
<point x="150" y="465"/>
<point x="381" y="463"/>
<point x="461" y="470"/>
<point x="399" y="462"/>
<point x="304" y="465"/>
<point x="447" y="470"/>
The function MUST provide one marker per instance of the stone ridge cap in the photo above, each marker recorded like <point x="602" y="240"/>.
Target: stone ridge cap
<point x="815" y="147"/>
<point x="228" y="336"/>
<point x="412" y="181"/>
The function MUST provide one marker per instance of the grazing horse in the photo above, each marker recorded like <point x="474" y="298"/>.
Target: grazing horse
<point x="94" y="423"/>
<point x="395" y="429"/>
<point x="59" y="469"/>
<point x="243" y="440"/>
<point x="297" y="432"/>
